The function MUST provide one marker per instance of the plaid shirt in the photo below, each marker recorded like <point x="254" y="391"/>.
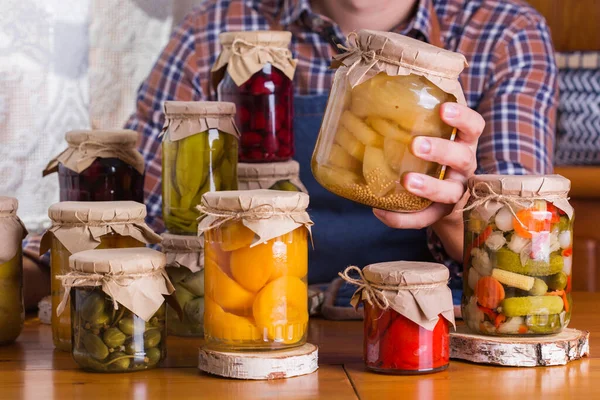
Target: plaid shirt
<point x="510" y="81"/>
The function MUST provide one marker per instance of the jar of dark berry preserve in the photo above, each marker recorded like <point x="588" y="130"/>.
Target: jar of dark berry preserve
<point x="255" y="71"/>
<point x="408" y="311"/>
<point x="100" y="165"/>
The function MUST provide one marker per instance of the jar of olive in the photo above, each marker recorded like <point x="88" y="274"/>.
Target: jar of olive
<point x="12" y="233"/>
<point x="199" y="155"/>
<point x="185" y="267"/>
<point x="274" y="176"/>
<point x="79" y="226"/>
<point x="387" y="89"/>
<point x="114" y="328"/>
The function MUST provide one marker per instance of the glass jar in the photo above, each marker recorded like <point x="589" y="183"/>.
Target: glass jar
<point x="185" y="267"/>
<point x="518" y="255"/>
<point x="255" y="71"/>
<point x="275" y="176"/>
<point x="112" y="332"/>
<point x="375" y="109"/>
<point x="407" y="312"/>
<point x="12" y="232"/>
<point x="199" y="155"/>
<point x="255" y="269"/>
<point x="100" y="165"/>
<point x="78" y="226"/>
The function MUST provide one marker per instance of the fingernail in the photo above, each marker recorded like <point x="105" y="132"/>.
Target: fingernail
<point x="450" y="111"/>
<point x="416" y="182"/>
<point x="423" y="145"/>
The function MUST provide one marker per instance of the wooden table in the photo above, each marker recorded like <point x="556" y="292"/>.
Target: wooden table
<point x="31" y="369"/>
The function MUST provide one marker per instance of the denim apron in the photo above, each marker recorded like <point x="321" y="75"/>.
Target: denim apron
<point x="345" y="233"/>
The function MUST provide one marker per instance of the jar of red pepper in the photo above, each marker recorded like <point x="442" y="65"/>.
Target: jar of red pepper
<point x="407" y="313"/>
<point x="255" y="71"/>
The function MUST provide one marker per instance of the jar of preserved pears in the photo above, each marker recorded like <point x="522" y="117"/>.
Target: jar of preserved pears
<point x="408" y="310"/>
<point x="255" y="263"/>
<point x="255" y="71"/>
<point x="79" y="226"/>
<point x="199" y="155"/>
<point x="275" y="176"/>
<point x="113" y="331"/>
<point x="518" y="255"/>
<point x="387" y="90"/>
<point x="100" y="165"/>
<point x="12" y="232"/>
<point x="185" y="267"/>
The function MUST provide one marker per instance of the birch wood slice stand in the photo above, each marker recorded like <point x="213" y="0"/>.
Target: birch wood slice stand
<point x="260" y="365"/>
<point x="537" y="351"/>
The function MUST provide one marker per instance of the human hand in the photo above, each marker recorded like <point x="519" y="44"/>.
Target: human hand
<point x="460" y="158"/>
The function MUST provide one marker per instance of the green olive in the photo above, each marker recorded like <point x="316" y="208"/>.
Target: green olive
<point x="153" y="355"/>
<point x="100" y="321"/>
<point x="95" y="346"/>
<point x="133" y="346"/>
<point x="113" y="337"/>
<point x="127" y="326"/>
<point x="87" y="362"/>
<point x="119" y="361"/>
<point x="93" y="307"/>
<point x="151" y="338"/>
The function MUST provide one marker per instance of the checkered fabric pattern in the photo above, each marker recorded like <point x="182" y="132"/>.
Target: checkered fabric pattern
<point x="511" y="80"/>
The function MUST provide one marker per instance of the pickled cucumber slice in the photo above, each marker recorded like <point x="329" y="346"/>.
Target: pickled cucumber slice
<point x="510" y="261"/>
<point x="531" y="305"/>
<point x="361" y="130"/>
<point x="543" y="324"/>
<point x="340" y="158"/>
<point x="557" y="281"/>
<point x="378" y="174"/>
<point x="539" y="288"/>
<point x="353" y="146"/>
<point x="394" y="151"/>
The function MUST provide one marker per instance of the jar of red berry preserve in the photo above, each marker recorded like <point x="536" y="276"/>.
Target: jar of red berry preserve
<point x="408" y="310"/>
<point x="100" y="165"/>
<point x="255" y="71"/>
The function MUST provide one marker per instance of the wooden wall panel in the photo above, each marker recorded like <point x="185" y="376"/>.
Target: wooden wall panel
<point x="575" y="24"/>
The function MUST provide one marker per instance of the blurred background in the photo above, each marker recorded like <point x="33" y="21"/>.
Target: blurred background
<point x="67" y="64"/>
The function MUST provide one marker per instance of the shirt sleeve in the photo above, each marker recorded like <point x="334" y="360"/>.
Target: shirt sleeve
<point x="519" y="107"/>
<point x="173" y="77"/>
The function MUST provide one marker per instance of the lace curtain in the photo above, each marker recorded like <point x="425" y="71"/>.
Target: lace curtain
<point x="69" y="64"/>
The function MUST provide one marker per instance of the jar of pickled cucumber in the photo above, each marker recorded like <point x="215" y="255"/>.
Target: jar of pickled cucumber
<point x="255" y="263"/>
<point x="185" y="267"/>
<point x="387" y="90"/>
<point x="113" y="331"/>
<point x="100" y="165"/>
<point x="12" y="232"/>
<point x="199" y="155"/>
<point x="518" y="255"/>
<point x="275" y="176"/>
<point x="79" y="226"/>
<point x="255" y="71"/>
<point x="408" y="311"/>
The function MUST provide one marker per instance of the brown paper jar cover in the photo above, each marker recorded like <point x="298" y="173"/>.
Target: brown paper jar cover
<point x="187" y="118"/>
<point x="79" y="225"/>
<point x="253" y="176"/>
<point x="246" y="53"/>
<point x="373" y="52"/>
<point x="85" y="146"/>
<point x="491" y="192"/>
<point x="183" y="251"/>
<point x="12" y="230"/>
<point x="421" y="305"/>
<point x="134" y="277"/>
<point x="268" y="213"/>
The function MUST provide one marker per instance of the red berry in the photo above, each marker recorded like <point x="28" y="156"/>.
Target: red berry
<point x="260" y="86"/>
<point x="258" y="121"/>
<point x="243" y="114"/>
<point x="277" y="77"/>
<point x="251" y="140"/>
<point x="251" y="156"/>
<point x="285" y="137"/>
<point x="270" y="144"/>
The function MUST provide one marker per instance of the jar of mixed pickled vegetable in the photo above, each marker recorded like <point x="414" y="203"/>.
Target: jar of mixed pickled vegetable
<point x="518" y="255"/>
<point x="79" y="226"/>
<point x="100" y="165"/>
<point x="199" y="155"/>
<point x="275" y="176"/>
<point x="387" y="90"/>
<point x="255" y="263"/>
<point x="12" y="232"/>
<point x="407" y="312"/>
<point x="185" y="267"/>
<point x="255" y="71"/>
<point x="112" y="331"/>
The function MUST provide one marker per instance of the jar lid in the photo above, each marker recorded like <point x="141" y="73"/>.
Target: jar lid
<point x="8" y="206"/>
<point x="255" y="171"/>
<point x="90" y="212"/>
<point x="265" y="38"/>
<point x="12" y="230"/>
<point x="134" y="260"/>
<point x="187" y="118"/>
<point x="520" y="185"/>
<point x="268" y="213"/>
<point x="403" y="273"/>
<point x="181" y="243"/>
<point x="124" y="137"/>
<point x="200" y="108"/>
